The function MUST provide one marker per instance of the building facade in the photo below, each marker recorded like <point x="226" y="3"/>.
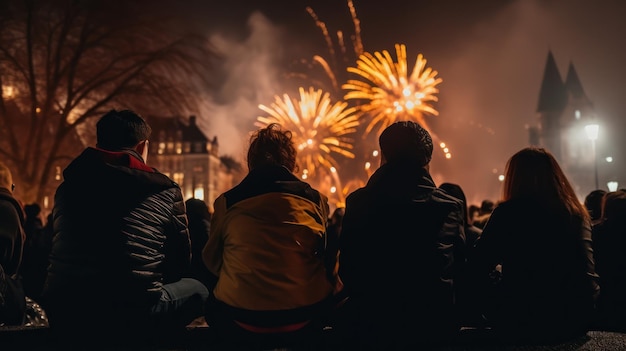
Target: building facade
<point x="180" y="150"/>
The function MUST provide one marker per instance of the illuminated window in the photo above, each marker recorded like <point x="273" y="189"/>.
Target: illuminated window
<point x="198" y="192"/>
<point x="178" y="178"/>
<point x="179" y="148"/>
<point x="161" y="148"/>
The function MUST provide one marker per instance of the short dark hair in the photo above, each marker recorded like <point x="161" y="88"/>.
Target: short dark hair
<point x="406" y="141"/>
<point x="272" y="146"/>
<point x="121" y="129"/>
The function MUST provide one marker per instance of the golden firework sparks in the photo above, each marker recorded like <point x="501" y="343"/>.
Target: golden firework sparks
<point x="388" y="93"/>
<point x="320" y="128"/>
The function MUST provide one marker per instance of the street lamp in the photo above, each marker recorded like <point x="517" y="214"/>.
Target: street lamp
<point x="592" y="134"/>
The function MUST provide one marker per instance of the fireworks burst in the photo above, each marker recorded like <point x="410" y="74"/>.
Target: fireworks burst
<point x="388" y="92"/>
<point x="320" y="129"/>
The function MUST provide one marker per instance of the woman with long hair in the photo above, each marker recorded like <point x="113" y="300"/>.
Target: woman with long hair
<point x="534" y="260"/>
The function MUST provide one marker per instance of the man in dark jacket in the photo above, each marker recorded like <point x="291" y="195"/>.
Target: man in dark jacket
<point x="121" y="247"/>
<point x="12" y="297"/>
<point x="401" y="243"/>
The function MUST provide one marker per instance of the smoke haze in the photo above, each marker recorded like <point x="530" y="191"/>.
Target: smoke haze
<point x="490" y="55"/>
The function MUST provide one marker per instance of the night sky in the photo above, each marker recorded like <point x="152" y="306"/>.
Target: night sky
<point x="490" y="55"/>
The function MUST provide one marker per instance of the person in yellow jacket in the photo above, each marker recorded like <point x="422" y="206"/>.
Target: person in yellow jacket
<point x="267" y="244"/>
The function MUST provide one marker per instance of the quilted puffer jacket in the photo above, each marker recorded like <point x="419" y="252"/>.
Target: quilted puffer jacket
<point x="120" y="233"/>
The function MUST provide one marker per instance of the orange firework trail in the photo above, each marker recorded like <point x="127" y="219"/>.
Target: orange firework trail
<point x="331" y="67"/>
<point x="320" y="128"/>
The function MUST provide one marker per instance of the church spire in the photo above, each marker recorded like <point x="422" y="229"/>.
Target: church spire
<point x="573" y="84"/>
<point x="553" y="94"/>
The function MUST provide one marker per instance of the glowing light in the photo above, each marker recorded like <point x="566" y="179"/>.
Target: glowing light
<point x="333" y="189"/>
<point x="609" y="159"/>
<point x="501" y="177"/>
<point x="320" y="128"/>
<point x="375" y="153"/>
<point x="198" y="192"/>
<point x="387" y="91"/>
<point x="367" y="165"/>
<point x="612" y="185"/>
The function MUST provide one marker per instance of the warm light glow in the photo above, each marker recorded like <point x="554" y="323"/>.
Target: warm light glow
<point x="367" y="165"/>
<point x="333" y="169"/>
<point x="333" y="189"/>
<point x="198" y="192"/>
<point x="375" y="153"/>
<point x="501" y="177"/>
<point x="442" y="145"/>
<point x="609" y="159"/>
<point x="612" y="185"/>
<point x="592" y="131"/>
<point x="448" y="155"/>
<point x="388" y="92"/>
<point x="8" y="91"/>
<point x="320" y="128"/>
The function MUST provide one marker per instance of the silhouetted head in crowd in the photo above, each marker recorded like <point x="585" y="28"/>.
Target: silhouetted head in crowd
<point x="123" y="130"/>
<point x="272" y="146"/>
<point x="534" y="173"/>
<point x="593" y="203"/>
<point x="32" y="210"/>
<point x="456" y="191"/>
<point x="406" y="142"/>
<point x="197" y="208"/>
<point x="614" y="206"/>
<point x="486" y="206"/>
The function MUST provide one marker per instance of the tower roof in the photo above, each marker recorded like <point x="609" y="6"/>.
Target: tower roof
<point x="553" y="94"/>
<point x="574" y="87"/>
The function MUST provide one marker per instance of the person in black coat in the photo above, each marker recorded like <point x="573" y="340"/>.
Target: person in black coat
<point x="199" y="229"/>
<point x="534" y="261"/>
<point x="609" y="246"/>
<point x="121" y="252"/>
<point x="12" y="295"/>
<point x="400" y="243"/>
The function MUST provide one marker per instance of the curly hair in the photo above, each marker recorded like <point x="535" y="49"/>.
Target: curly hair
<point x="272" y="146"/>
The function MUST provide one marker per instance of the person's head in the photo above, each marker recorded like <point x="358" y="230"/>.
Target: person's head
<point x="196" y="208"/>
<point x="406" y="142"/>
<point x="593" y="203"/>
<point x="614" y="205"/>
<point x="486" y="206"/>
<point x="120" y="130"/>
<point x="456" y="191"/>
<point x="337" y="215"/>
<point x="534" y="172"/>
<point x="6" y="179"/>
<point x="32" y="210"/>
<point x="272" y="146"/>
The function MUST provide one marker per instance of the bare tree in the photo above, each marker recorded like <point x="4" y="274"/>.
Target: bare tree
<point x="62" y="63"/>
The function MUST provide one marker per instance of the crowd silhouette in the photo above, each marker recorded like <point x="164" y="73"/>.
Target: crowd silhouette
<point x="406" y="264"/>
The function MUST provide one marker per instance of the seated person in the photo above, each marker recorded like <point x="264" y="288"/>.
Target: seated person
<point x="267" y="246"/>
